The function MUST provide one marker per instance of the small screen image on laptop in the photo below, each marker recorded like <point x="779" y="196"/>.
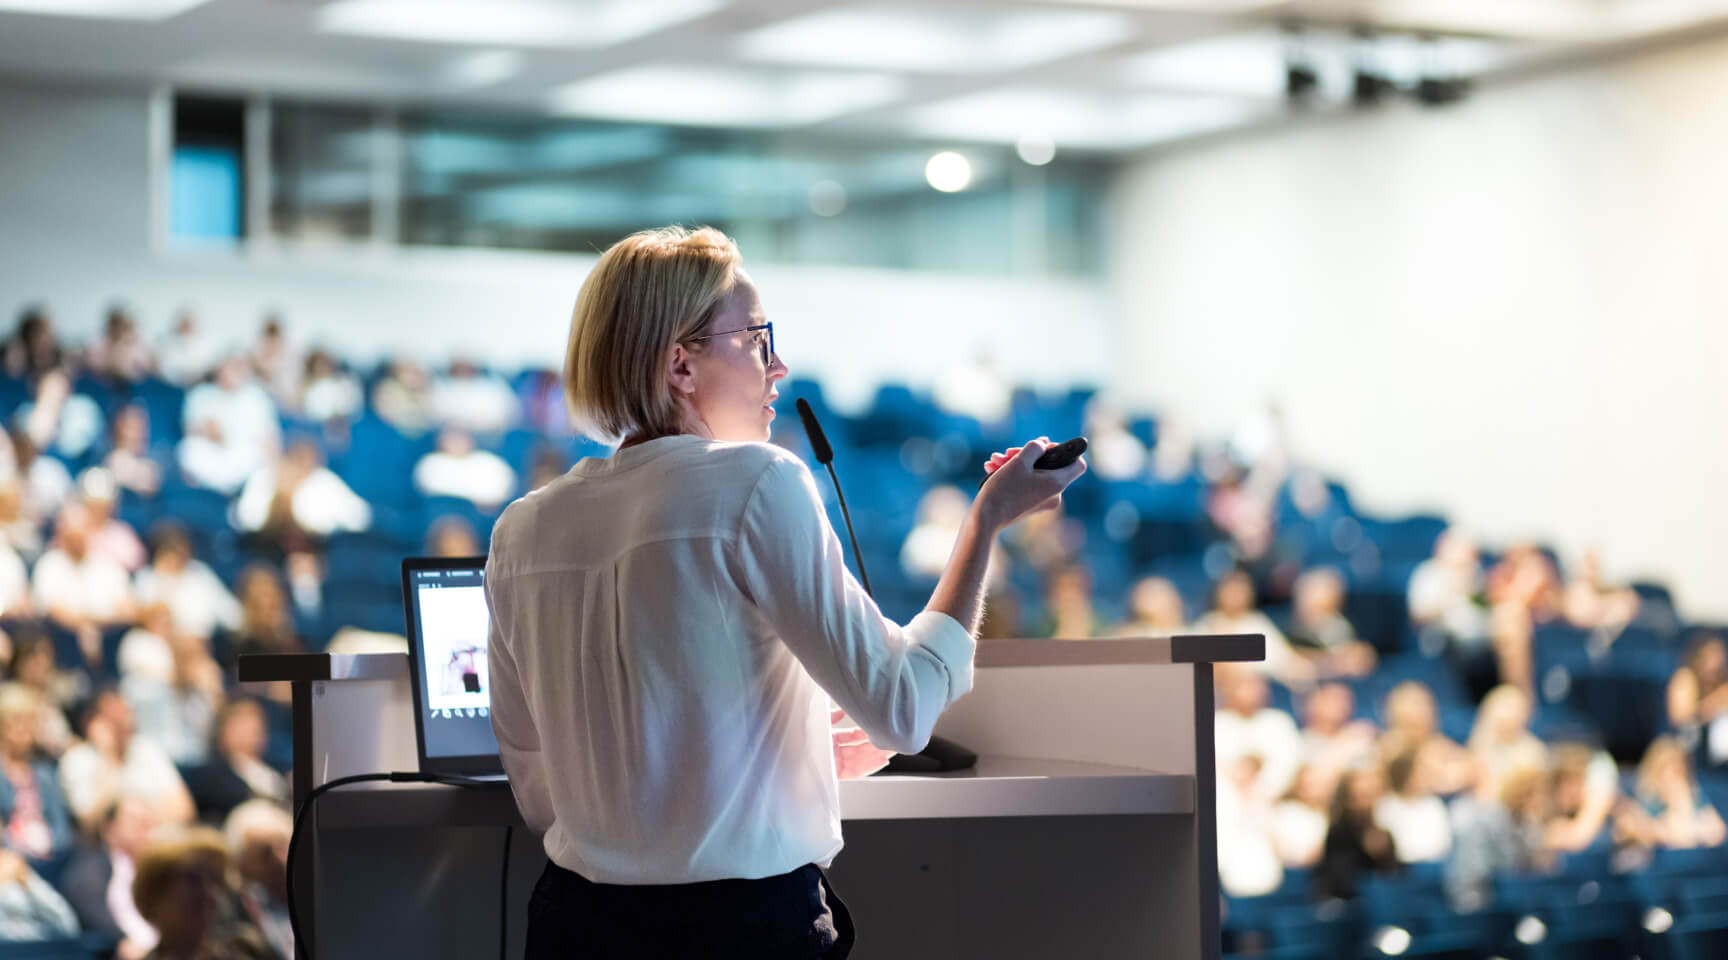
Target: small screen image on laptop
<point x="448" y="627"/>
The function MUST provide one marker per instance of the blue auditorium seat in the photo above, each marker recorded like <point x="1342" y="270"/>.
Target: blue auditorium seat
<point x="1702" y="937"/>
<point x="164" y="404"/>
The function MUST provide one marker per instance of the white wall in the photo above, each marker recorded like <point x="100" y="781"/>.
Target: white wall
<point x="1515" y="310"/>
<point x="74" y="232"/>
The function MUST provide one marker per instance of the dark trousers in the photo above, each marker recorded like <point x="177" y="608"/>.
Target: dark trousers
<point x="794" y="916"/>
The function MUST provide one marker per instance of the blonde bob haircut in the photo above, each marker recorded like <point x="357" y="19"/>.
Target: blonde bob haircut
<point x="651" y="290"/>
<point x="163" y="864"/>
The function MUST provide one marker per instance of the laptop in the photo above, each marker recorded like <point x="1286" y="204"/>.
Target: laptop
<point x="444" y="599"/>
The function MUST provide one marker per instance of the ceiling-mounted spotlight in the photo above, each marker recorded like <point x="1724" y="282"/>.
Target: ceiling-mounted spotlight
<point x="1301" y="80"/>
<point x="1370" y="84"/>
<point x="1440" y="84"/>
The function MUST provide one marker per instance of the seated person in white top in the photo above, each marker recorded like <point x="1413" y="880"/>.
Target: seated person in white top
<point x="76" y="589"/>
<point x="1411" y="811"/>
<point x="114" y="762"/>
<point x="299" y="501"/>
<point x="110" y="537"/>
<point x="1233" y="612"/>
<point x="1245" y="724"/>
<point x="460" y="469"/>
<point x="231" y="428"/>
<point x="474" y="400"/>
<point x="672" y="625"/>
<point x="191" y="590"/>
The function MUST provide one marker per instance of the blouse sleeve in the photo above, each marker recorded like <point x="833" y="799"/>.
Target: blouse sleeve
<point x="892" y="680"/>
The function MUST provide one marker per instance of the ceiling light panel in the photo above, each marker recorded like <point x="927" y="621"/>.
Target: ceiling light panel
<point x="531" y="23"/>
<point x="714" y="96"/>
<point x="103" y="9"/>
<point x="1104" y="122"/>
<point x="934" y="40"/>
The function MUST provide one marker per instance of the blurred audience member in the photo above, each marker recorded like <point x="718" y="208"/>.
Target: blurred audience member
<point x="1300" y="821"/>
<point x="258" y="832"/>
<point x="1321" y="633"/>
<point x="33" y="811"/>
<point x="44" y="486"/>
<point x="543" y="402"/>
<point x="266" y="620"/>
<point x="1233" y="612"/>
<point x="130" y="460"/>
<point x="1496" y="828"/>
<point x="231" y="429"/>
<point x="113" y="762"/>
<point x="1068" y="604"/>
<point x="182" y="888"/>
<point x="1525" y="578"/>
<point x="236" y="771"/>
<point x="60" y="420"/>
<point x="193" y="593"/>
<point x="1331" y="738"/>
<point x="1412" y="812"/>
<point x="453" y="537"/>
<point x="14" y="583"/>
<point x="941" y="511"/>
<point x="1445" y="594"/>
<point x="1248" y="864"/>
<point x="975" y="389"/>
<point x="403" y="398"/>
<point x="1670" y="811"/>
<point x="98" y="881"/>
<point x="120" y="353"/>
<point x="30" y="909"/>
<point x="1584" y="789"/>
<point x="1589" y="602"/>
<point x="1698" y="698"/>
<point x="1355" y="842"/>
<point x="548" y="465"/>
<point x="187" y="354"/>
<point x="327" y="392"/>
<point x="472" y="399"/>
<point x="33" y="667"/>
<point x="1113" y="451"/>
<point x="1413" y="721"/>
<point x="296" y="504"/>
<point x="276" y="362"/>
<point x="1154" y="610"/>
<point x="1500" y="740"/>
<point x="458" y="468"/>
<point x="1241" y="508"/>
<point x="110" y="537"/>
<point x="33" y="349"/>
<point x="78" y="591"/>
<point x="18" y="530"/>
<point x="173" y="684"/>
<point x="1245" y="724"/>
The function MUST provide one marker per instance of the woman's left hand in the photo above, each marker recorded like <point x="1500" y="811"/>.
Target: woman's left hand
<point x="855" y="757"/>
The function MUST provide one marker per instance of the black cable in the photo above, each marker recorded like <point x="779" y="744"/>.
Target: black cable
<point x="857" y="555"/>
<point x="302" y="946"/>
<point x="504" y="897"/>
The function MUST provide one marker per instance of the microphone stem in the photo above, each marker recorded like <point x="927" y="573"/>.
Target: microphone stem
<point x="857" y="554"/>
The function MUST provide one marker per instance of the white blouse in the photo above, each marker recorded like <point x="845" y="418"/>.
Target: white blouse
<point x="668" y="626"/>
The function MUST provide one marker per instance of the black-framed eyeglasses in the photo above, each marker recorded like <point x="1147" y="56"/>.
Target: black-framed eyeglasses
<point x="767" y="344"/>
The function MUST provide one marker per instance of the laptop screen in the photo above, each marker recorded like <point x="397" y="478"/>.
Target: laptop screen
<point x="450" y="622"/>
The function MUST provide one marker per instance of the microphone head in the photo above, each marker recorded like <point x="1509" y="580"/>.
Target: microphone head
<point x="818" y="440"/>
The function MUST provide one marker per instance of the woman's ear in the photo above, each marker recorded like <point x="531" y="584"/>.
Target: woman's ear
<point x="679" y="372"/>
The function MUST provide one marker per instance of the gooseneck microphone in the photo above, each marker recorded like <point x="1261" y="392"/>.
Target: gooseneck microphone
<point x="825" y="456"/>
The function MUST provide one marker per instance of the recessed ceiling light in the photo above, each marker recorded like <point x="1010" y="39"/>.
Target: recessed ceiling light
<point x="1084" y="120"/>
<point x="483" y="69"/>
<point x="714" y="96"/>
<point x="1036" y="149"/>
<point x="539" y="23"/>
<point x="103" y="9"/>
<point x="937" y="41"/>
<point x="948" y="172"/>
